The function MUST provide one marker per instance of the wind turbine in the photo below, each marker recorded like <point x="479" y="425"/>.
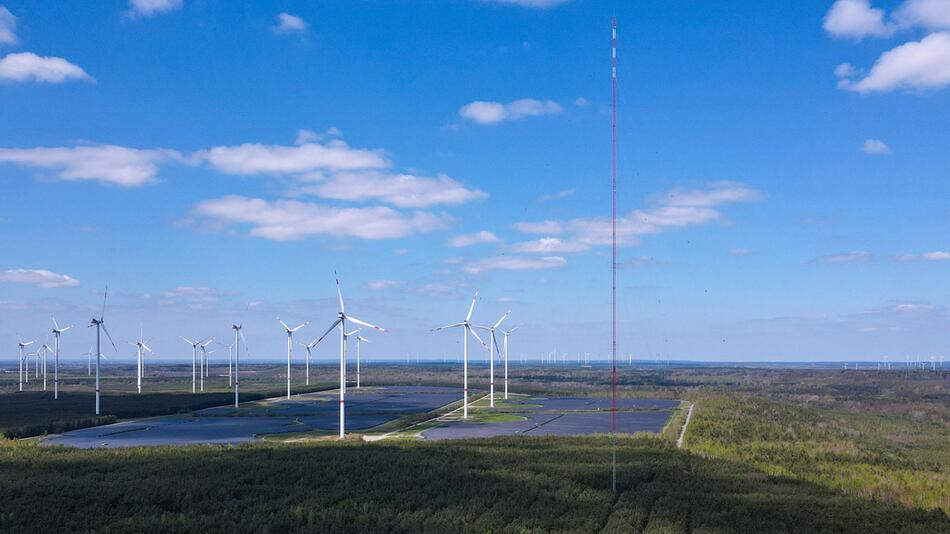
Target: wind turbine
<point x="100" y="325"/>
<point x="22" y="346"/>
<point x="309" y="348"/>
<point x="46" y="350"/>
<point x="492" y="345"/>
<point x="140" y="348"/>
<point x="238" y="336"/>
<point x="230" y="364"/>
<point x="466" y="326"/>
<point x="88" y="355"/>
<point x="342" y="317"/>
<point x="290" y="346"/>
<point x="204" y="361"/>
<point x="194" y="362"/>
<point x="505" y="344"/>
<point x="57" y="331"/>
<point x="359" y="339"/>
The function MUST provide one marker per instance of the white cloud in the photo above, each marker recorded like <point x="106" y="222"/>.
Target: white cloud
<point x="284" y="220"/>
<point x="846" y="257"/>
<point x="913" y="66"/>
<point x="127" y="167"/>
<point x="537" y="4"/>
<point x="542" y="227"/>
<point x="402" y="190"/>
<point x="38" y="277"/>
<point x="515" y="263"/>
<point x="287" y="23"/>
<point x="926" y="256"/>
<point x="931" y="14"/>
<point x="581" y="102"/>
<point x="740" y="252"/>
<point x="875" y="147"/>
<point x="147" y="8"/>
<point x="549" y="245"/>
<point x="27" y="66"/>
<point x="678" y="208"/>
<point x="7" y="27"/>
<point x="478" y="238"/>
<point x="252" y="158"/>
<point x="914" y="307"/>
<point x="192" y="297"/>
<point x="379" y="285"/>
<point x="306" y="136"/>
<point x="856" y="19"/>
<point x="556" y="196"/>
<point x="494" y="112"/>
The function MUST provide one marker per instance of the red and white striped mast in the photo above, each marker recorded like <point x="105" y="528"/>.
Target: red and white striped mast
<point x="613" y="264"/>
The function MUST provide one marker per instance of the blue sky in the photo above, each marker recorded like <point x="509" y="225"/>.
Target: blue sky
<point x="783" y="173"/>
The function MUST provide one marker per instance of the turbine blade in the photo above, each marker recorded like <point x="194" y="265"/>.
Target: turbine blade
<point x="106" y="330"/>
<point x="472" y="331"/>
<point x="495" y="341"/>
<point x="207" y="342"/>
<point x="363" y="339"/>
<point x="55" y="324"/>
<point x="472" y="307"/>
<point x="104" y="297"/>
<point x="364" y="323"/>
<point x="353" y="332"/>
<point x="456" y="325"/>
<point x="188" y="341"/>
<point x="65" y="329"/>
<point x="503" y="317"/>
<point x="283" y="324"/>
<point x="512" y="330"/>
<point x="298" y="327"/>
<point x="325" y="334"/>
<point x="339" y="292"/>
<point x="144" y="346"/>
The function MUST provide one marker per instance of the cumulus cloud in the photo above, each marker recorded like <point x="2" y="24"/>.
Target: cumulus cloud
<point x="549" y="245"/>
<point x="913" y="66"/>
<point x="252" y="158"/>
<point x="191" y="297"/>
<point x="7" y="27"/>
<point x="856" y="19"/>
<point x="930" y="14"/>
<point x="285" y="220"/>
<point x="379" y="285"/>
<point x="147" y="8"/>
<point x="38" y="277"/>
<point x="926" y="256"/>
<point x="875" y="147"/>
<point x="402" y="190"/>
<point x="515" y="263"/>
<point x="676" y="208"/>
<point x="478" y="238"/>
<point x="27" y="67"/>
<point x="287" y="23"/>
<point x="481" y="112"/>
<point x="846" y="257"/>
<point x="127" y="167"/>
<point x="556" y="196"/>
<point x="537" y="4"/>
<point x="542" y="227"/>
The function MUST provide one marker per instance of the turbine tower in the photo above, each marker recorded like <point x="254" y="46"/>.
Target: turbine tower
<point x="46" y="350"/>
<point x="140" y="348"/>
<point x="57" y="331"/>
<point x="341" y="320"/>
<point x="22" y="346"/>
<point x="359" y="339"/>
<point x="238" y="336"/>
<point x="309" y="348"/>
<point x="194" y="362"/>
<point x="204" y="361"/>
<point x="505" y="345"/>
<point x="100" y="325"/>
<point x="290" y="346"/>
<point x="466" y="327"/>
<point x="492" y="345"/>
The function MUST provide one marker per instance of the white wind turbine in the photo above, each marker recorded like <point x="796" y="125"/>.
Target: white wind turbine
<point x="309" y="348"/>
<point x="238" y="337"/>
<point x="46" y="350"/>
<point x="57" y="331"/>
<point x="466" y="326"/>
<point x="140" y="348"/>
<point x="230" y="364"/>
<point x="492" y="345"/>
<point x="100" y="325"/>
<point x="290" y="346"/>
<point x="505" y="345"/>
<point x="359" y="339"/>
<point x="204" y="361"/>
<point x="341" y="320"/>
<point x="22" y="346"/>
<point x="194" y="362"/>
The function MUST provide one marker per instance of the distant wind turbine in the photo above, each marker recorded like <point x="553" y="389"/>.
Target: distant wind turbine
<point x="492" y="345"/>
<point x="341" y="320"/>
<point x="238" y="336"/>
<point x="466" y="326"/>
<point x="140" y="348"/>
<point x="505" y="345"/>
<point x="359" y="339"/>
<point x="57" y="331"/>
<point x="204" y="361"/>
<point x="290" y="346"/>
<point x="22" y="346"/>
<point x="194" y="363"/>
<point x="46" y="350"/>
<point x="100" y="325"/>
<point x="309" y="347"/>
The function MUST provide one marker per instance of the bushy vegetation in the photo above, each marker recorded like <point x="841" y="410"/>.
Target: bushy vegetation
<point x="499" y="485"/>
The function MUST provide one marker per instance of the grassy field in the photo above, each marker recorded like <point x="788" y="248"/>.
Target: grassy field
<point x="766" y="451"/>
